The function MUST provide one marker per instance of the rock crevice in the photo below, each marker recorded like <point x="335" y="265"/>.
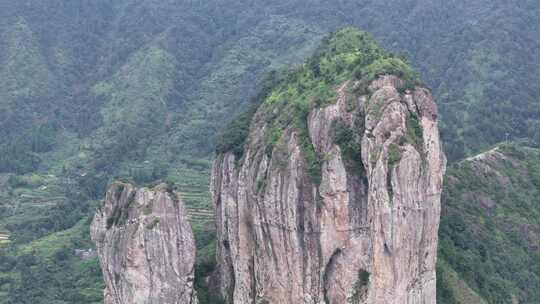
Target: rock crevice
<point x="366" y="232"/>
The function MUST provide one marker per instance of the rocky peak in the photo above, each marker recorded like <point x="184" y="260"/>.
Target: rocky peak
<point x="145" y="245"/>
<point x="336" y="196"/>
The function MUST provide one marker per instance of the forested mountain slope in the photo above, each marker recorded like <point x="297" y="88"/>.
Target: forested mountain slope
<point x="490" y="228"/>
<point x="92" y="90"/>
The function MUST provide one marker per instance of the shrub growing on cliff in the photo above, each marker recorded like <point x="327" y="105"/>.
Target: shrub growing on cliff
<point x="359" y="287"/>
<point x="288" y="101"/>
<point x="351" y="150"/>
<point x="394" y="155"/>
<point x="313" y="159"/>
<point x="415" y="134"/>
<point x="391" y="66"/>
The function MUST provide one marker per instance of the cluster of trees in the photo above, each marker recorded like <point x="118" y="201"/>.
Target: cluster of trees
<point x="489" y="225"/>
<point x="81" y="42"/>
<point x="57" y="276"/>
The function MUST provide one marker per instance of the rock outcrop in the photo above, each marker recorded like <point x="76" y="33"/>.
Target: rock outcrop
<point x="145" y="245"/>
<point x="359" y="225"/>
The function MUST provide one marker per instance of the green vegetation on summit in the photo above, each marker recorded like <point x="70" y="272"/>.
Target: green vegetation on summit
<point x="288" y="97"/>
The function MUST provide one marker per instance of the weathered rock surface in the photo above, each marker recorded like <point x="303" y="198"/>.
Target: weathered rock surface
<point x="367" y="233"/>
<point x="145" y="245"/>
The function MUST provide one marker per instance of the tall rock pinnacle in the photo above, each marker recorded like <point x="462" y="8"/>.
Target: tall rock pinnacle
<point x="335" y="197"/>
<point x="146" y="246"/>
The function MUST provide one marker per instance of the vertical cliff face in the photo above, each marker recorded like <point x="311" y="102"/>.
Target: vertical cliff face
<point x="404" y="166"/>
<point x="145" y="245"/>
<point x="337" y="204"/>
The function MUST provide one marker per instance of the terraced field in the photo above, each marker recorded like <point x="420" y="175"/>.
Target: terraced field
<point x="31" y="196"/>
<point x="192" y="186"/>
<point x="28" y="206"/>
<point x="28" y="198"/>
<point x="198" y="205"/>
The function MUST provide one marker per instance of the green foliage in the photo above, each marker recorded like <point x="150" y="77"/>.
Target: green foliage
<point x="313" y="159"/>
<point x="47" y="271"/>
<point x="335" y="61"/>
<point x="217" y="66"/>
<point x="289" y="101"/>
<point x="348" y="50"/>
<point x="394" y="154"/>
<point x="25" y="86"/>
<point x="235" y="135"/>
<point x="489" y="225"/>
<point x="206" y="264"/>
<point x="359" y="287"/>
<point x="274" y="135"/>
<point x="392" y="66"/>
<point x="349" y="143"/>
<point x="415" y="134"/>
<point x="147" y="174"/>
<point x="451" y="289"/>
